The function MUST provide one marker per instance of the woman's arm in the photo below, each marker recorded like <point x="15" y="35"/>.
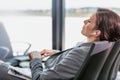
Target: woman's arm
<point x="65" y="69"/>
<point x="48" y="52"/>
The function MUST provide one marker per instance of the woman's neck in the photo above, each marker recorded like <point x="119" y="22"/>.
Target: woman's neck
<point x="92" y="39"/>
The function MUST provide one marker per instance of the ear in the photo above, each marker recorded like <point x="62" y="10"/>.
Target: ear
<point x="98" y="32"/>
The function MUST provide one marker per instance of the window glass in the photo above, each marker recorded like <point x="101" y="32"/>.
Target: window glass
<point x="28" y="21"/>
<point x="79" y="10"/>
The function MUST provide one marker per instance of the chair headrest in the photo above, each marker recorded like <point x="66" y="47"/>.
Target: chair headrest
<point x="101" y="46"/>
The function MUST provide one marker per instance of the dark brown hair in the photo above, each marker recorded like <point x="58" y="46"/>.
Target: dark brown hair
<point x="108" y="22"/>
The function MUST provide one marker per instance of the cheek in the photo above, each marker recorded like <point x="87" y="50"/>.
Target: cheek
<point x="89" y="28"/>
<point x="83" y="31"/>
<point x="86" y="29"/>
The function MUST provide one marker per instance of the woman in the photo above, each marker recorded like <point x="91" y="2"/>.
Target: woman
<point x="103" y="25"/>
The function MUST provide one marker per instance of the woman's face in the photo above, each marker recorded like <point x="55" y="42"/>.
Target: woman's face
<point x="89" y="24"/>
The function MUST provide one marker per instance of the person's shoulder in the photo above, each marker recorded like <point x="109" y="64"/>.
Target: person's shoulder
<point x="84" y="47"/>
<point x="80" y="44"/>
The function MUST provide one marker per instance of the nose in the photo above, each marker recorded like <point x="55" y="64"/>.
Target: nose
<point x="85" y="21"/>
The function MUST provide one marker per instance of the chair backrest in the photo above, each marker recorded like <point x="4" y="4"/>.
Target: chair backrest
<point x="114" y="72"/>
<point x="3" y="53"/>
<point x="92" y="67"/>
<point x="112" y="63"/>
<point x="4" y="40"/>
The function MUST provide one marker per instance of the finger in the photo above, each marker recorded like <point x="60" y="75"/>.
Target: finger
<point x="30" y="55"/>
<point x="43" y="52"/>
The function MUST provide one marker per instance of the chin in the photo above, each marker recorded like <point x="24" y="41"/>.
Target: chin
<point x="83" y="33"/>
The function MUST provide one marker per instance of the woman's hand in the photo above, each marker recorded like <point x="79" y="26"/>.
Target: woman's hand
<point x="34" y="54"/>
<point x="1" y="62"/>
<point x="47" y="52"/>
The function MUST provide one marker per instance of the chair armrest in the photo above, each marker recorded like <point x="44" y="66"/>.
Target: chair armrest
<point x="16" y="60"/>
<point x="12" y="61"/>
<point x="22" y="58"/>
<point x="23" y="61"/>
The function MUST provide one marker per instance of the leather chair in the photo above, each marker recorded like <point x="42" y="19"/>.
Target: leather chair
<point x="94" y="61"/>
<point x="6" y="54"/>
<point x="3" y="53"/>
<point x="5" y="41"/>
<point x="111" y="66"/>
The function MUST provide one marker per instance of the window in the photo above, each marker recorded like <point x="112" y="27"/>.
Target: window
<point x="77" y="11"/>
<point x="28" y="21"/>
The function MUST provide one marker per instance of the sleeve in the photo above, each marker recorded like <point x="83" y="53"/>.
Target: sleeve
<point x="65" y="69"/>
<point x="36" y="68"/>
<point x="57" y="51"/>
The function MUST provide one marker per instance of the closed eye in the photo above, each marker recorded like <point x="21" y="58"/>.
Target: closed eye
<point x="89" y="21"/>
